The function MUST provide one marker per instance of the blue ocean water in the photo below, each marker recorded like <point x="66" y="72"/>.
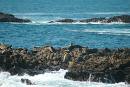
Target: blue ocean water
<point x="40" y="12"/>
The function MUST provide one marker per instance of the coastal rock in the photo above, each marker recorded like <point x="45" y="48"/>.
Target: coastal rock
<point x="93" y="20"/>
<point x="27" y="81"/>
<point x="64" y="21"/>
<point x="105" y="65"/>
<point x="112" y="67"/>
<point x="122" y="18"/>
<point x="4" y="17"/>
<point x="4" y="46"/>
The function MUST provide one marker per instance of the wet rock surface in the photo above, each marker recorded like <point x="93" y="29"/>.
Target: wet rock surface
<point x="122" y="18"/>
<point x="27" y="81"/>
<point x="4" y="17"/>
<point x="82" y="63"/>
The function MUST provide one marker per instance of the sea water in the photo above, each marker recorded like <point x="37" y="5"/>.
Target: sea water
<point x="39" y="32"/>
<point x="50" y="79"/>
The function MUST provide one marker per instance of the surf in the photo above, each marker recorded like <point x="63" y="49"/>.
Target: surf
<point x="49" y="79"/>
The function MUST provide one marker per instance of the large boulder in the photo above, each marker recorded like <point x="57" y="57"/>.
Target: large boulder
<point x="4" y="17"/>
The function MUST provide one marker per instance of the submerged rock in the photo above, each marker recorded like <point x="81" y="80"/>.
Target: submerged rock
<point x="83" y="63"/>
<point x="4" y="17"/>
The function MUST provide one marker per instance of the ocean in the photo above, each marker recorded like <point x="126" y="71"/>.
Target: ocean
<point x="39" y="32"/>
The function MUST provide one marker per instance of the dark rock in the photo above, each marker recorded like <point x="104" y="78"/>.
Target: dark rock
<point x="70" y="48"/>
<point x="83" y="63"/>
<point x="64" y="21"/>
<point x="112" y="66"/>
<point x="122" y="18"/>
<point x="4" y="17"/>
<point x="27" y="81"/>
<point x="93" y="20"/>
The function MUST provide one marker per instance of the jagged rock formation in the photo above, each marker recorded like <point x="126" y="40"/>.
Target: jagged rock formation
<point x="4" y="17"/>
<point x="122" y="18"/>
<point x="105" y="65"/>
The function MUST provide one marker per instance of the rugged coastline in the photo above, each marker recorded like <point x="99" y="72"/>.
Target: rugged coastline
<point x="104" y="65"/>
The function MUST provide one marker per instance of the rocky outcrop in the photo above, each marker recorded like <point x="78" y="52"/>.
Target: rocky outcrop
<point x="122" y="18"/>
<point x="4" y="17"/>
<point x="104" y="65"/>
<point x="83" y="63"/>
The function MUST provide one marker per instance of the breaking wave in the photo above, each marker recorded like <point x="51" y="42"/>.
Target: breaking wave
<point x="45" y="22"/>
<point x="41" y="18"/>
<point x="50" y="79"/>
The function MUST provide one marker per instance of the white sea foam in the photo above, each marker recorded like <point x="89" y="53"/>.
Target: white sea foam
<point x="45" y="18"/>
<point x="105" y="31"/>
<point x="92" y="13"/>
<point x="46" y="22"/>
<point x="41" y="18"/>
<point x="50" y="79"/>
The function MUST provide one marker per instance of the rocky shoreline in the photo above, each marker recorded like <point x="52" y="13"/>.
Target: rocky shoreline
<point x="83" y="63"/>
<point x="121" y="18"/>
<point x="5" y="17"/>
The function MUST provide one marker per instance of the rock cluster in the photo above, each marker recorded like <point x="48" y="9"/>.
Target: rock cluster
<point x="122" y="18"/>
<point x="4" y="17"/>
<point x="83" y="63"/>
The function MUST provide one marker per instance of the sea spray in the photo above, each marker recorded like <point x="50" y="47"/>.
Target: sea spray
<point x="50" y="79"/>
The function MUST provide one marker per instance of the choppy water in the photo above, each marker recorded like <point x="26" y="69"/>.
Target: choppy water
<point x="50" y="79"/>
<point x="39" y="32"/>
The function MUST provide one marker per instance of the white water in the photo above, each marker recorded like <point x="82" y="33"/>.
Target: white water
<point x="44" y="18"/>
<point x="46" y="22"/>
<point x="50" y="79"/>
<point x="114" y="31"/>
<point x="91" y="13"/>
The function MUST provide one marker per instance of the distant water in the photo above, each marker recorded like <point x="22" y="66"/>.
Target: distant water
<point x="39" y="32"/>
